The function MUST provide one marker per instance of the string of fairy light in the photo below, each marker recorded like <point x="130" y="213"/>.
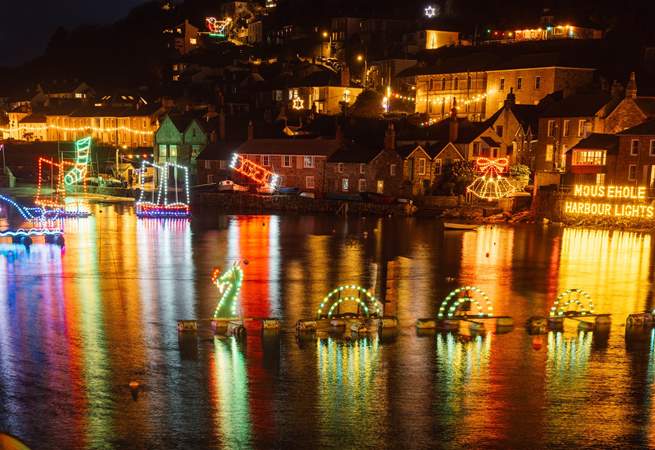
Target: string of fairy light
<point x="82" y="129"/>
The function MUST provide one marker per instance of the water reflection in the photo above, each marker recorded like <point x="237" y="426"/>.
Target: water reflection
<point x="229" y="392"/>
<point x="350" y="394"/>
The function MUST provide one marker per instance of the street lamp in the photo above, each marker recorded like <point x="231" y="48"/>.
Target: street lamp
<point x="361" y="58"/>
<point x="325" y="35"/>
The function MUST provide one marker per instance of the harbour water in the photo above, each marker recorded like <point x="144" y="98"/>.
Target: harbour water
<point x="78" y="324"/>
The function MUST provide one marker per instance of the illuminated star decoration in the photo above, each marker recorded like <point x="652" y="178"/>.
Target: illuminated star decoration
<point x="229" y="285"/>
<point x="298" y="103"/>
<point x="491" y="185"/>
<point x="430" y="11"/>
<point x="346" y="95"/>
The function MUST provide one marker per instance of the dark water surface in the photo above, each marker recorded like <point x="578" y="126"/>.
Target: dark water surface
<point x="76" y="326"/>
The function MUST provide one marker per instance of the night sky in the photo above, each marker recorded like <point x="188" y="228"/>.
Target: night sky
<point x="26" y="25"/>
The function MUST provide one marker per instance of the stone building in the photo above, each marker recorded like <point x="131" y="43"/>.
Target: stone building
<point x="635" y="162"/>
<point x="631" y="110"/>
<point x="563" y="124"/>
<point x="356" y="168"/>
<point x="592" y="160"/>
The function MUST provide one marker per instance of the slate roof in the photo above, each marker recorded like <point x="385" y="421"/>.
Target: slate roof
<point x="595" y="141"/>
<point x="467" y="131"/>
<point x="308" y="147"/>
<point x="579" y="105"/>
<point x="34" y="118"/>
<point x="490" y="142"/>
<point x="219" y="151"/>
<point x="527" y="116"/>
<point x="352" y="152"/>
<point x="643" y="129"/>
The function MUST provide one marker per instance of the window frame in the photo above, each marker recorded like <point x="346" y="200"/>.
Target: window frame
<point x="309" y="185"/>
<point x="392" y="170"/>
<point x="630" y="167"/>
<point x="537" y="82"/>
<point x="266" y="160"/>
<point x="421" y="166"/>
<point x="651" y="149"/>
<point x="308" y="162"/>
<point x="519" y="83"/>
<point x="284" y="161"/>
<point x="361" y="182"/>
<point x="345" y="184"/>
<point x="634" y="149"/>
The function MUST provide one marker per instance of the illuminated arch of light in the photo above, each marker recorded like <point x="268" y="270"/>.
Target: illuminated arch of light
<point x="455" y="299"/>
<point x="229" y="286"/>
<point x="581" y="299"/>
<point x="491" y="184"/>
<point x="82" y="153"/>
<point x="363" y="298"/>
<point x="160" y="206"/>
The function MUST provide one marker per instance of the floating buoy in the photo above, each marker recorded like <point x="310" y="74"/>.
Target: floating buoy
<point x="134" y="388"/>
<point x="536" y="343"/>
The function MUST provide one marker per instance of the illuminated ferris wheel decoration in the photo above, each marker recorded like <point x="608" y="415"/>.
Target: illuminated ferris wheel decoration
<point x="491" y="184"/>
<point x="430" y="11"/>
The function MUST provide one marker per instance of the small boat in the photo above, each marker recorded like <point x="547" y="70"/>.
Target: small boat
<point x="460" y="226"/>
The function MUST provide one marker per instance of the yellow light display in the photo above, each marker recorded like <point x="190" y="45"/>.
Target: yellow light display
<point x="609" y="209"/>
<point x="76" y="129"/>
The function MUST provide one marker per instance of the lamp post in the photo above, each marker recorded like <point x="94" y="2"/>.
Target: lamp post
<point x="361" y="58"/>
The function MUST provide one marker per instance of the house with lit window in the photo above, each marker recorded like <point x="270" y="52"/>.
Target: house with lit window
<point x="592" y="160"/>
<point x="179" y="140"/>
<point x="299" y="163"/>
<point x="565" y="123"/>
<point x="635" y="163"/>
<point x="357" y="167"/>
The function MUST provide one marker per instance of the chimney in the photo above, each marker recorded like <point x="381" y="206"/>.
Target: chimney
<point x="631" y="89"/>
<point x="221" y="125"/>
<point x="510" y="100"/>
<point x="453" y="124"/>
<point x="251" y="131"/>
<point x="345" y="76"/>
<point x="390" y="137"/>
<point x="616" y="90"/>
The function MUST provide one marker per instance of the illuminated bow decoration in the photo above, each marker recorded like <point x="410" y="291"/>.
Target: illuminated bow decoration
<point x="492" y="166"/>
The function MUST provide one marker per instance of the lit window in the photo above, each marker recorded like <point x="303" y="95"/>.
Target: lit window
<point x="565" y="128"/>
<point x="421" y="166"/>
<point x="589" y="157"/>
<point x="309" y="182"/>
<point x="193" y="41"/>
<point x="172" y="151"/>
<point x="634" y="147"/>
<point x="581" y="126"/>
<point x="551" y="128"/>
<point x="287" y="161"/>
<point x="309" y="162"/>
<point x="632" y="172"/>
<point x="344" y="184"/>
<point x="437" y="166"/>
<point x="549" y="152"/>
<point x="362" y="185"/>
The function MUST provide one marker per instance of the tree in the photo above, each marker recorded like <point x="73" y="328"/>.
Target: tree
<point x="367" y="104"/>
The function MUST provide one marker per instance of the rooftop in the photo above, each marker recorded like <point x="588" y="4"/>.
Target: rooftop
<point x="596" y="141"/>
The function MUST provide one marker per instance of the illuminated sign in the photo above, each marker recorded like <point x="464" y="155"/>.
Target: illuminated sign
<point x="611" y="208"/>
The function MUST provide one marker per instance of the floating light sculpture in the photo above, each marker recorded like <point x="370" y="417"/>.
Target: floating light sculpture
<point x="78" y="172"/>
<point x="229" y="286"/>
<point x="364" y="299"/>
<point x="572" y="298"/>
<point x="217" y="27"/>
<point x="456" y="299"/>
<point x="56" y="204"/>
<point x="491" y="184"/>
<point x="160" y="206"/>
<point x="254" y="171"/>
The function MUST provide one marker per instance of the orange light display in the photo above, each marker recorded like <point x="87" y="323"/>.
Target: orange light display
<point x="611" y="208"/>
<point x="253" y="171"/>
